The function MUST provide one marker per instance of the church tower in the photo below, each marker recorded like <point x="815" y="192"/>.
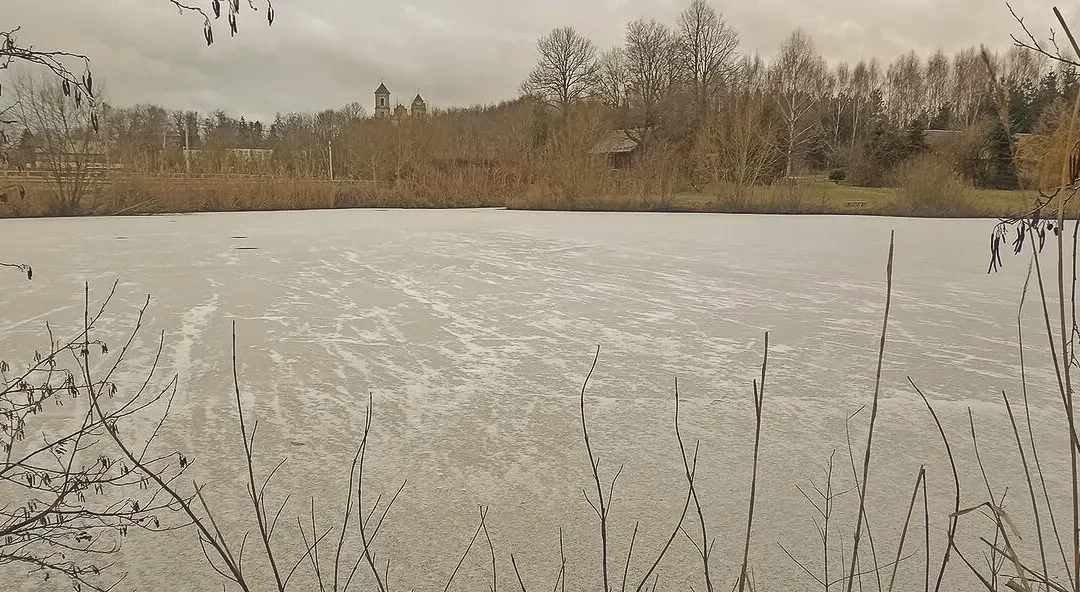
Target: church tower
<point x="382" y="101"/>
<point x="419" y="107"/>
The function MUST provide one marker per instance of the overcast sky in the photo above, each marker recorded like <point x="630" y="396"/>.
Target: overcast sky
<point x="325" y="53"/>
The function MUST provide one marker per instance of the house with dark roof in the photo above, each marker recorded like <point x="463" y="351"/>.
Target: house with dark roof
<point x="621" y="147"/>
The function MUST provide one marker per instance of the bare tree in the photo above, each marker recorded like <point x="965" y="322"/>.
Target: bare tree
<point x="1050" y="49"/>
<point x="613" y="85"/>
<point x="798" y="81"/>
<point x="566" y="72"/>
<point x="1020" y="66"/>
<point x="63" y="136"/>
<point x="706" y="53"/>
<point x="80" y="86"/>
<point x="353" y="112"/>
<point x="746" y="140"/>
<point x="937" y="84"/>
<point x="865" y="86"/>
<point x="650" y="53"/>
<point x="737" y="147"/>
<point x="971" y="86"/>
<point x="69" y="497"/>
<point x="905" y="90"/>
<point x="841" y="97"/>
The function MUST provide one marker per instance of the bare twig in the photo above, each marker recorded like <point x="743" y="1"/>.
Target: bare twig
<point x="491" y="547"/>
<point x="907" y="520"/>
<point x="950" y="542"/>
<point x="257" y="501"/>
<point x="629" y="554"/>
<point x="468" y="548"/>
<point x="517" y="573"/>
<point x="703" y="550"/>
<point x="594" y="464"/>
<point x="873" y="417"/>
<point x="759" y="397"/>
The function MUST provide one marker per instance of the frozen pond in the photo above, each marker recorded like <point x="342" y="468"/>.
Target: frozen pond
<point x="473" y="331"/>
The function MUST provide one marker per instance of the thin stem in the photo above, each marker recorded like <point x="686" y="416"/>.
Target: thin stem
<point x="873" y="416"/>
<point x="951" y="540"/>
<point x="759" y="397"/>
<point x="907" y="521"/>
<point x="594" y="464"/>
<point x="256" y="499"/>
<point x="697" y="502"/>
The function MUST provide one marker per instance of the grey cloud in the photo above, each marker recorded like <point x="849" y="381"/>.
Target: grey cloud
<point x="325" y="53"/>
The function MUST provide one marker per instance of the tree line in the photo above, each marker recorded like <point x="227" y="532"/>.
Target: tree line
<point x="690" y="87"/>
<point x="705" y="116"/>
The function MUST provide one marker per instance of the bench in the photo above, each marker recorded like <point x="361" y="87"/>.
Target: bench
<point x="856" y="203"/>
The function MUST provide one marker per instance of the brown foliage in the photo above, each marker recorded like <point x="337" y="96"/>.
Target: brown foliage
<point x="930" y="186"/>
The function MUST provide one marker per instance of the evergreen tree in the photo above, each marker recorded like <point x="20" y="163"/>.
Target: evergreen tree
<point x="1068" y="82"/>
<point x="915" y="140"/>
<point x="25" y="153"/>
<point x="1024" y="108"/>
<point x="942" y="120"/>
<point x="1000" y="173"/>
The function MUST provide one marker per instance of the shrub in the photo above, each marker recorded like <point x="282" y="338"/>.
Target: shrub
<point x="930" y="187"/>
<point x="965" y="152"/>
<point x="837" y="175"/>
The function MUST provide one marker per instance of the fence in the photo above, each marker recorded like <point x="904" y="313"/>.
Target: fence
<point x="106" y="176"/>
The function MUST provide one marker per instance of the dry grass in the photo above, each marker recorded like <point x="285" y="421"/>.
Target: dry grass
<point x="814" y="195"/>
<point x="926" y="190"/>
<point x="928" y="186"/>
<point x="134" y="195"/>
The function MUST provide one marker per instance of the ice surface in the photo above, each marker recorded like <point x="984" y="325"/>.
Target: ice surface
<point x="473" y="330"/>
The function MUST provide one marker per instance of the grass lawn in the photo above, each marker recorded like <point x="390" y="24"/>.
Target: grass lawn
<point x="817" y="195"/>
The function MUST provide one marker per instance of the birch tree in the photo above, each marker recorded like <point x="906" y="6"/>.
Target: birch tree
<point x="865" y="89"/>
<point x="937" y="84"/>
<point x="841" y="100"/>
<point x="798" y="82"/>
<point x="905" y="90"/>
<point x="1020" y="66"/>
<point x="970" y="86"/>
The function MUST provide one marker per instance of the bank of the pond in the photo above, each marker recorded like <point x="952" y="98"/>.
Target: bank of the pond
<point x="37" y="197"/>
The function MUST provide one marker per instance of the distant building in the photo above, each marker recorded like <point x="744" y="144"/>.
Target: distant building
<point x="382" y="101"/>
<point x="419" y="107"/>
<point x="400" y="112"/>
<point x="620" y="147"/>
<point x="86" y="154"/>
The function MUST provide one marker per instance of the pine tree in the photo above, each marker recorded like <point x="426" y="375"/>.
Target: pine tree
<point x="942" y="120"/>
<point x="915" y="140"/>
<point x="25" y="153"/>
<point x="1000" y="173"/>
<point x="1024" y="107"/>
<point x="1068" y="81"/>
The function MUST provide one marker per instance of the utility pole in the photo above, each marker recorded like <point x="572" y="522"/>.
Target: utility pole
<point x="187" y="155"/>
<point x="330" y="150"/>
